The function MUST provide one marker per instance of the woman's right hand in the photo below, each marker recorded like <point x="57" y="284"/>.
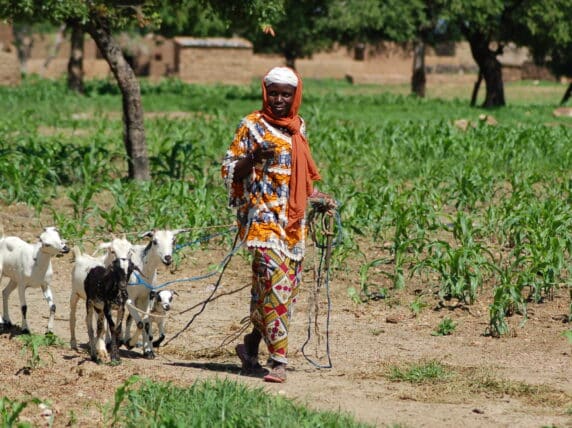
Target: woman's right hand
<point x="263" y="153"/>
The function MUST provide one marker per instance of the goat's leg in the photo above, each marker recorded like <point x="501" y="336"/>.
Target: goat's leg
<point x="89" y="324"/>
<point x="127" y="336"/>
<point x="101" y="351"/>
<point x="73" y="309"/>
<point x="5" y="298"/>
<point x="114" y="328"/>
<point x="51" y="304"/>
<point x="161" y="324"/>
<point x="23" y="308"/>
<point x="133" y="308"/>
<point x="143" y="324"/>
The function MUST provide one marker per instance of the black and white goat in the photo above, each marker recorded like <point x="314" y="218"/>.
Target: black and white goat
<point x="147" y="258"/>
<point x="29" y="265"/>
<point x="161" y="303"/>
<point x="106" y="289"/>
<point x="117" y="248"/>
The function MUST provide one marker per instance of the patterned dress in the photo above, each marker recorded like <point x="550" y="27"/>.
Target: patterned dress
<point x="261" y="203"/>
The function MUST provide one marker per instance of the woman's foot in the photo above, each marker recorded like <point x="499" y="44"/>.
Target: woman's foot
<point x="250" y="364"/>
<point x="277" y="373"/>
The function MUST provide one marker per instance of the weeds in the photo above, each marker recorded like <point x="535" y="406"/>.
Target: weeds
<point x="430" y="371"/>
<point x="213" y="403"/>
<point x="445" y="327"/>
<point x="32" y="343"/>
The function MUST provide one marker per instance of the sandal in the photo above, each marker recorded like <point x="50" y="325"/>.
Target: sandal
<point x="250" y="364"/>
<point x="277" y="374"/>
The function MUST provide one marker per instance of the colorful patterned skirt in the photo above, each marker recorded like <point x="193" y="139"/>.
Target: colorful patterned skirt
<point x="275" y="281"/>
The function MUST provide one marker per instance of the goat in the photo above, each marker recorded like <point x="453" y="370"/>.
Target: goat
<point x="147" y="258"/>
<point x="118" y="248"/>
<point x="106" y="288"/>
<point x="161" y="303"/>
<point x="29" y="265"/>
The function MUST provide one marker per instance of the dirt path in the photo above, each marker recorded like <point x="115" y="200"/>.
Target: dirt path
<point x="516" y="381"/>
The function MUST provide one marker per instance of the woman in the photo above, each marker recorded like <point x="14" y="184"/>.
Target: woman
<point x="269" y="172"/>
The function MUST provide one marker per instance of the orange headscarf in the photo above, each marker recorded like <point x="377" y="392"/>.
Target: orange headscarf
<point x="304" y="170"/>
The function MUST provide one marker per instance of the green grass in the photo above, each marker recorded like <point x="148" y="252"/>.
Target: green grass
<point x="219" y="403"/>
<point x="430" y="371"/>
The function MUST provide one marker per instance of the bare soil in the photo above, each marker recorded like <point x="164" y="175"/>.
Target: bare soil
<point x="523" y="380"/>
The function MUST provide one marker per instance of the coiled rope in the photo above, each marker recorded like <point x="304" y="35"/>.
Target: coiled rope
<point x="322" y="213"/>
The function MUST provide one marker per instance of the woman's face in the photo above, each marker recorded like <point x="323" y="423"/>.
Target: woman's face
<point x="280" y="98"/>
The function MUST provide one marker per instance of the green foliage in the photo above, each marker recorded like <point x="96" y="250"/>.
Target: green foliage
<point x="417" y="305"/>
<point x="416" y="373"/>
<point x="302" y="43"/>
<point x="10" y="411"/>
<point x="220" y="403"/>
<point x="445" y="327"/>
<point x="32" y="343"/>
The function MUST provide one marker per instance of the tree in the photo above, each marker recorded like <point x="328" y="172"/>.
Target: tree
<point x="547" y="29"/>
<point x="100" y="19"/>
<point x="489" y="25"/>
<point x="413" y="24"/>
<point x="297" y="36"/>
<point x="75" y="63"/>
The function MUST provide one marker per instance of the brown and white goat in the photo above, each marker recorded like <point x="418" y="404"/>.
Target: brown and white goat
<point x="106" y="289"/>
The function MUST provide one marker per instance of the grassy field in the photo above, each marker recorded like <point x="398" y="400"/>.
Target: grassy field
<point x="463" y="210"/>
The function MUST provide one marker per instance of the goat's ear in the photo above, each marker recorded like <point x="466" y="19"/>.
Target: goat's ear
<point x="152" y="295"/>
<point x="104" y="245"/>
<point x="147" y="234"/>
<point x="175" y="293"/>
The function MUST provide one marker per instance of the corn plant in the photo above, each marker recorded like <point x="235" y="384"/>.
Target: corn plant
<point x="507" y="299"/>
<point x="461" y="270"/>
<point x="10" y="411"/>
<point x="32" y="343"/>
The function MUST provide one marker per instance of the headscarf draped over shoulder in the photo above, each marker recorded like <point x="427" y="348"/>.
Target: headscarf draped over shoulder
<point x="304" y="171"/>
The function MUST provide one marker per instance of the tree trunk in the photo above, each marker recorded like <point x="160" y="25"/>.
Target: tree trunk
<point x="134" y="132"/>
<point x="75" y="63"/>
<point x="57" y="45"/>
<point x="476" y="90"/>
<point x="567" y="95"/>
<point x="490" y="67"/>
<point x="23" y="41"/>
<point x="291" y="62"/>
<point x="418" y="79"/>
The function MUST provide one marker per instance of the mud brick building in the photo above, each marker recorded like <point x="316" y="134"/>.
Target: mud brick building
<point x="213" y="60"/>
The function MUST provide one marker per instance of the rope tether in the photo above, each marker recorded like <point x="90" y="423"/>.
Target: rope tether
<point x="322" y="273"/>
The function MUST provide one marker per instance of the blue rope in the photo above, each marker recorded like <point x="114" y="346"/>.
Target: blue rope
<point x="204" y="238"/>
<point x="141" y="281"/>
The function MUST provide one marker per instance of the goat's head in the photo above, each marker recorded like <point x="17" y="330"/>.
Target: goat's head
<point x="163" y="299"/>
<point x="124" y="266"/>
<point x="52" y="242"/>
<point x="162" y="243"/>
<point x="118" y="248"/>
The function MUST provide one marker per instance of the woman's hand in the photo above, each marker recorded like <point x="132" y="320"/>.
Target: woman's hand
<point x="263" y="153"/>
<point x="260" y="154"/>
<point x="322" y="201"/>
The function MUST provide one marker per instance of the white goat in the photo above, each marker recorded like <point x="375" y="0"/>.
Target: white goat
<point x="147" y="258"/>
<point x="161" y="303"/>
<point x="29" y="265"/>
<point x="118" y="248"/>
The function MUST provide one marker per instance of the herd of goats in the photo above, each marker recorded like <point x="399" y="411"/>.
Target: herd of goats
<point x="123" y="276"/>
